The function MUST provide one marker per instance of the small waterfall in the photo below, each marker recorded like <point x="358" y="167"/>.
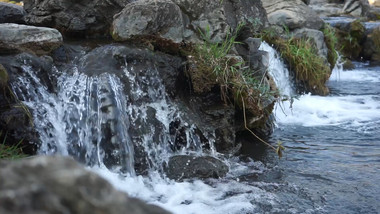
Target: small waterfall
<point x="119" y="121"/>
<point x="278" y="71"/>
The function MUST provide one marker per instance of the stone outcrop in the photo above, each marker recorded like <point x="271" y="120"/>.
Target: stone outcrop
<point x="293" y="14"/>
<point x="86" y="18"/>
<point x="11" y="13"/>
<point x="185" y="166"/>
<point x="59" y="185"/>
<point x="187" y="19"/>
<point x="23" y="38"/>
<point x="316" y="37"/>
<point x="161" y="18"/>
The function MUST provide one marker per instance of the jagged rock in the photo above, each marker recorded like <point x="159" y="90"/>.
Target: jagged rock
<point x="59" y="185"/>
<point x="187" y="18"/>
<point x="23" y="38"/>
<point x="293" y="14"/>
<point x="185" y="166"/>
<point x="11" y="13"/>
<point x="85" y="18"/>
<point x="352" y="7"/>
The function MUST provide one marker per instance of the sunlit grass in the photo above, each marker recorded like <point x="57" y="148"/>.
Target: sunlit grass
<point x="13" y="2"/>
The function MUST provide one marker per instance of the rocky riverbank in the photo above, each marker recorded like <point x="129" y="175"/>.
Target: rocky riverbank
<point x="199" y="60"/>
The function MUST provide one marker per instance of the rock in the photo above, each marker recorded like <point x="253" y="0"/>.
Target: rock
<point x="22" y="38"/>
<point x="162" y="18"/>
<point x="293" y="14"/>
<point x="185" y="166"/>
<point x="45" y="184"/>
<point x="214" y="19"/>
<point x="317" y="37"/>
<point x="85" y="18"/>
<point x="11" y="13"/>
<point x="352" y="7"/>
<point x="371" y="45"/>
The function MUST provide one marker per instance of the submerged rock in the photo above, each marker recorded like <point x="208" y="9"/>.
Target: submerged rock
<point x="187" y="166"/>
<point x="23" y="38"/>
<point x="59" y="185"/>
<point x="11" y="13"/>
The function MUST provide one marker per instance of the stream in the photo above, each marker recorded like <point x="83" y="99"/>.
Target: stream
<point x="330" y="165"/>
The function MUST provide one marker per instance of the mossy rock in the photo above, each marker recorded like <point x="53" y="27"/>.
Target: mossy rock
<point x="350" y="42"/>
<point x="4" y="78"/>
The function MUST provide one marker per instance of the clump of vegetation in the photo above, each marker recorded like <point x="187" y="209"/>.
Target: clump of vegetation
<point x="331" y="42"/>
<point x="10" y="151"/>
<point x="310" y="70"/>
<point x="13" y="2"/>
<point x="211" y="66"/>
<point x="349" y="42"/>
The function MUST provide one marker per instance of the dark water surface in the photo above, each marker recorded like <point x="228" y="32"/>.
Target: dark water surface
<point x="333" y="144"/>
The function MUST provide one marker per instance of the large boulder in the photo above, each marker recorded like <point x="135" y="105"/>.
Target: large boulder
<point x="59" y="185"/>
<point x="11" y="13"/>
<point x="188" y="20"/>
<point x="293" y="14"/>
<point x="187" y="166"/>
<point x="162" y="18"/>
<point x="23" y="38"/>
<point x="85" y="18"/>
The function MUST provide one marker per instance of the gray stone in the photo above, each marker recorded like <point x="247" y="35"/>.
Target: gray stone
<point x="23" y="38"/>
<point x="11" y="13"/>
<point x="188" y="20"/>
<point x="186" y="166"/>
<point x="85" y="18"/>
<point x="45" y="184"/>
<point x="315" y="36"/>
<point x="162" y="18"/>
<point x="352" y="7"/>
<point x="292" y="13"/>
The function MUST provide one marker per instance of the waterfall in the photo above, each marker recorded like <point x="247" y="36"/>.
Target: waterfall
<point x="278" y="71"/>
<point x="107" y="119"/>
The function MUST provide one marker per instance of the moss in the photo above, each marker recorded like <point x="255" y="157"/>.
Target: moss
<point x="349" y="42"/>
<point x="331" y="42"/>
<point x="4" y="78"/>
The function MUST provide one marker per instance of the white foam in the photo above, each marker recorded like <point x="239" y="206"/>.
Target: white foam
<point x="357" y="75"/>
<point x="310" y="110"/>
<point x="221" y="196"/>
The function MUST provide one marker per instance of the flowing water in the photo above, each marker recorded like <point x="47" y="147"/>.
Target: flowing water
<point x="331" y="162"/>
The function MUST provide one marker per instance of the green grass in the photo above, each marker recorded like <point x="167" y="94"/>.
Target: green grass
<point x="309" y="68"/>
<point x="331" y="41"/>
<point x="216" y="68"/>
<point x="11" y="151"/>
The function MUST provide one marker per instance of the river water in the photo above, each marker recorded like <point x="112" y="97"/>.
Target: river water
<point x="331" y="162"/>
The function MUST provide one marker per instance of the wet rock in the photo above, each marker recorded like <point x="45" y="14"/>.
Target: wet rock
<point x="59" y="185"/>
<point x="86" y="18"/>
<point x="23" y="38"/>
<point x="11" y="13"/>
<point x="293" y="14"/>
<point x="185" y="166"/>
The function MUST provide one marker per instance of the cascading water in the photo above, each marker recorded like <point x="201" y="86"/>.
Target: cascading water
<point x="107" y="119"/>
